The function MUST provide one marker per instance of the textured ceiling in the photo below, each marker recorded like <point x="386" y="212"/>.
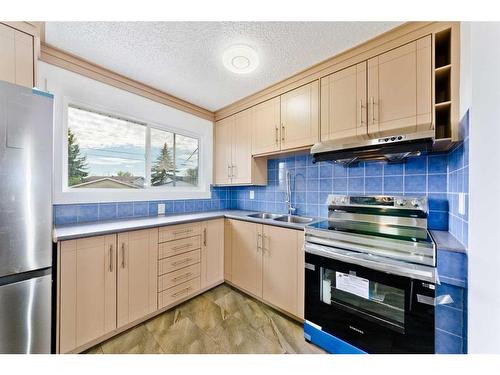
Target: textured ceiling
<point x="185" y="58"/>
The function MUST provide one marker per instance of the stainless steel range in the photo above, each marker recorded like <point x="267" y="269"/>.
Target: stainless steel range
<point x="370" y="276"/>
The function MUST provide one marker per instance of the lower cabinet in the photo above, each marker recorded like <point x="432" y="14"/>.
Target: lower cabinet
<point x="212" y="253"/>
<point x="268" y="262"/>
<point x="137" y="275"/>
<point x="87" y="280"/>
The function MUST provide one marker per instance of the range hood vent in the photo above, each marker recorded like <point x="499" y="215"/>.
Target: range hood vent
<point x="391" y="149"/>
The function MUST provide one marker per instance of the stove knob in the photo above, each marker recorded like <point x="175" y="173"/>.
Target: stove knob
<point x="415" y="203"/>
<point x="400" y="202"/>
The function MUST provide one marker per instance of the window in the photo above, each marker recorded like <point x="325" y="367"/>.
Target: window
<point x="110" y="152"/>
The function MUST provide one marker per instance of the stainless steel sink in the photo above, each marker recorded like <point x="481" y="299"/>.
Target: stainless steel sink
<point x="294" y="219"/>
<point x="264" y="215"/>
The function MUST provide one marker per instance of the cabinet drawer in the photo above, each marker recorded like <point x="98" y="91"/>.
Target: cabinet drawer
<point x="174" y="278"/>
<point x="178" y="231"/>
<point x="178" y="292"/>
<point x="168" y="249"/>
<point x="178" y="261"/>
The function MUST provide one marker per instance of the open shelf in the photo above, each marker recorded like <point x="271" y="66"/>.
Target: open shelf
<point x="443" y="123"/>
<point x="443" y="48"/>
<point x="442" y="84"/>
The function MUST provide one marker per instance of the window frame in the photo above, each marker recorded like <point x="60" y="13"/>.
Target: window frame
<point x="93" y="195"/>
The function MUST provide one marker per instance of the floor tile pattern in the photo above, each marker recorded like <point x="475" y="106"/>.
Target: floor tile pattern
<point x="221" y="320"/>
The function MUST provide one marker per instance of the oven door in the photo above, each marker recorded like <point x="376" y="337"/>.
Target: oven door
<point x="375" y="311"/>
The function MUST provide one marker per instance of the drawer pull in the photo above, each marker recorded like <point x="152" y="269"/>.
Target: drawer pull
<point x="185" y="276"/>
<point x="123" y="255"/>
<point x="182" y="261"/>
<point x="189" y="230"/>
<point x="186" y="246"/>
<point x="183" y="291"/>
<point x="110" y="258"/>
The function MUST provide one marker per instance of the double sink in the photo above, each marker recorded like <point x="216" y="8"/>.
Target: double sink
<point x="283" y="218"/>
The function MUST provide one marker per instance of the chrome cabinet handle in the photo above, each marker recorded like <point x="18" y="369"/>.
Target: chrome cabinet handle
<point x="259" y="241"/>
<point x="204" y="236"/>
<point x="181" y="292"/>
<point x="233" y="173"/>
<point x="276" y="135"/>
<point x="282" y="132"/>
<point x="123" y="254"/>
<point x="185" y="276"/>
<point x="189" y="230"/>
<point x="373" y="109"/>
<point x="110" y="258"/>
<point x="182" y="261"/>
<point x="361" y="122"/>
<point x="228" y="171"/>
<point x="186" y="246"/>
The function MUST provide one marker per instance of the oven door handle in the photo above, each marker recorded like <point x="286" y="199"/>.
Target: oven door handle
<point x="413" y="271"/>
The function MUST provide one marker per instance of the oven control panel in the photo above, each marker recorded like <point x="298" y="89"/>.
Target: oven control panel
<point x="414" y="203"/>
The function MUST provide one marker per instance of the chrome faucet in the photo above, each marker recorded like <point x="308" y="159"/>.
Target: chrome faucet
<point x="289" y="207"/>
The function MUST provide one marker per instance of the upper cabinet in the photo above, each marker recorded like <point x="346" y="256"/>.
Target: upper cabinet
<point x="343" y="103"/>
<point x="300" y="117"/>
<point x="266" y="127"/>
<point x="234" y="164"/>
<point x="400" y="89"/>
<point x="16" y="56"/>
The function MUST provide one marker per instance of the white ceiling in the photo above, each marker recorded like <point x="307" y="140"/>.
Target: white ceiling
<point x="185" y="58"/>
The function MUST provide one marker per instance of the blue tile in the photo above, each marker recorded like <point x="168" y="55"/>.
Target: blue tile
<point x="340" y="185"/>
<point x="189" y="205"/>
<point x="437" y="220"/>
<point x="438" y="202"/>
<point x="374" y="169"/>
<point x="437" y="163"/>
<point x="107" y="211"/>
<point x="437" y="183"/>
<point x="393" y="169"/>
<point x="356" y="184"/>
<point x="417" y="165"/>
<point x="88" y="213"/>
<point x="207" y="206"/>
<point x="300" y="197"/>
<point x="415" y="184"/>
<point x="373" y="185"/>
<point x="326" y="184"/>
<point x="65" y="214"/>
<point x="180" y="206"/>
<point x="339" y="170"/>
<point x="446" y="343"/>
<point x="312" y="198"/>
<point x="312" y="172"/>
<point x="452" y="264"/>
<point x="325" y="170"/>
<point x="357" y="170"/>
<point x="312" y="185"/>
<point x="300" y="160"/>
<point x="125" y="210"/>
<point x="393" y="183"/>
<point x="455" y="292"/>
<point x="198" y="205"/>
<point x="141" y="209"/>
<point x="449" y="319"/>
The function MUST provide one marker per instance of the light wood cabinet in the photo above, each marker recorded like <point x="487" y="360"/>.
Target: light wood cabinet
<point x="399" y="89"/>
<point x="246" y="256"/>
<point x="16" y="56"/>
<point x="266" y="127"/>
<point x="137" y="275"/>
<point x="212" y="253"/>
<point x="343" y="103"/>
<point x="228" y="267"/>
<point x="87" y="290"/>
<point x="234" y="164"/>
<point x="300" y="117"/>
<point x="280" y="266"/>
<point x="268" y="262"/>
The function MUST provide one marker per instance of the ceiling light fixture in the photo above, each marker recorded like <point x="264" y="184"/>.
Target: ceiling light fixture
<point x="240" y="59"/>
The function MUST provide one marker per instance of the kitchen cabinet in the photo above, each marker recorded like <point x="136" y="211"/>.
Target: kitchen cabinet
<point x="212" y="253"/>
<point x="280" y="267"/>
<point x="300" y="117"/>
<point x="16" y="56"/>
<point x="246" y="254"/>
<point x="228" y="268"/>
<point x="87" y="290"/>
<point x="268" y="262"/>
<point x="400" y="89"/>
<point x="266" y="127"/>
<point x="343" y="103"/>
<point x="137" y="275"/>
<point x="234" y="164"/>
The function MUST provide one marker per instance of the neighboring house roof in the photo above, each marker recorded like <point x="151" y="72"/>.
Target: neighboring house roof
<point x="110" y="182"/>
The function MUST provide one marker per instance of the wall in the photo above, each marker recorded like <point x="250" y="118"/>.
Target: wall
<point x="484" y="216"/>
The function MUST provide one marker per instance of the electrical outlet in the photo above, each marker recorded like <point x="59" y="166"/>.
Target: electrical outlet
<point x="461" y="204"/>
<point x="252" y="194"/>
<point x="161" y="208"/>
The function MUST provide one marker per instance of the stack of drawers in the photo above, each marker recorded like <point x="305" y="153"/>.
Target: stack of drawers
<point x="179" y="267"/>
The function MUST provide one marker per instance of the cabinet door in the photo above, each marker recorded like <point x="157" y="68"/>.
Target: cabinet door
<point x="399" y="89"/>
<point x="266" y="129"/>
<point x="87" y="290"/>
<point x="227" y="251"/>
<point x="280" y="276"/>
<point x="343" y="103"/>
<point x="7" y="54"/>
<point x="223" y="148"/>
<point x="137" y="274"/>
<point x="241" y="155"/>
<point x="24" y="59"/>
<point x="300" y="117"/>
<point x="212" y="253"/>
<point x="246" y="243"/>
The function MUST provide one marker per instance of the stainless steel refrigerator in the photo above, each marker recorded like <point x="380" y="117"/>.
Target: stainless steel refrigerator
<point x="26" y="130"/>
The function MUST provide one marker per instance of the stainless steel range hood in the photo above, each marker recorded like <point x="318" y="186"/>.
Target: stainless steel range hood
<point x="394" y="148"/>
